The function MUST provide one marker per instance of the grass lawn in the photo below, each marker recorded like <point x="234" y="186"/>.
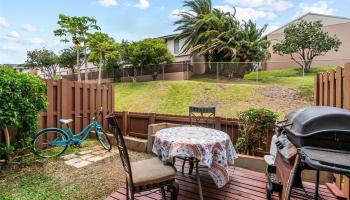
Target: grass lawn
<point x="278" y="90"/>
<point x="54" y="180"/>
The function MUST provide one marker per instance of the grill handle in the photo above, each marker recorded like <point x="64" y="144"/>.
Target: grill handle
<point x="280" y="127"/>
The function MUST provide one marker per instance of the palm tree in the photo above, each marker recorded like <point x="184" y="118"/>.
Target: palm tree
<point x="187" y="23"/>
<point x="214" y="25"/>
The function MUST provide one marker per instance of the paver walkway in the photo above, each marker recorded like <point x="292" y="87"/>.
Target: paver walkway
<point x="87" y="156"/>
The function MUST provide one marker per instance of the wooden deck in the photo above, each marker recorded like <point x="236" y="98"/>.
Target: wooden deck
<point x="244" y="184"/>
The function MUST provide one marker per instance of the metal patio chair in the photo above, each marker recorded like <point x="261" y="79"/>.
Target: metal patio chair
<point x="199" y="116"/>
<point x="144" y="175"/>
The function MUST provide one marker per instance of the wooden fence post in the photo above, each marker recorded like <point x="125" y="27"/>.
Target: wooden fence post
<point x="346" y="86"/>
<point x="65" y="99"/>
<point x="338" y="87"/>
<point x="125" y="116"/>
<point x="152" y="118"/>
<point x="218" y="123"/>
<point x="332" y="89"/>
<point x="316" y="90"/>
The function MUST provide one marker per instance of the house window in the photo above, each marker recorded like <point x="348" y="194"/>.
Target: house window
<point x="176" y="46"/>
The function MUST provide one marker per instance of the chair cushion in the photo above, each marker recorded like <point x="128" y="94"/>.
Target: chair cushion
<point x="151" y="171"/>
<point x="65" y="121"/>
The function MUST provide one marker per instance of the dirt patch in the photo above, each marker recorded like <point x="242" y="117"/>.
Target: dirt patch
<point x="278" y="99"/>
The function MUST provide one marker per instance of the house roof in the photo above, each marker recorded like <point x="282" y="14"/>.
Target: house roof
<point x="327" y="20"/>
<point x="168" y="36"/>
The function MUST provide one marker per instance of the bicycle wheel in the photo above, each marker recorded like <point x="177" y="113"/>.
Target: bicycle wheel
<point x="103" y="138"/>
<point x="50" y="143"/>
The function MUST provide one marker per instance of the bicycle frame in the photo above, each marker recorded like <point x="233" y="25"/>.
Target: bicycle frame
<point x="74" y="138"/>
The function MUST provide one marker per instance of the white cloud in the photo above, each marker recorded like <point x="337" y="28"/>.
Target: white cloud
<point x="271" y="5"/>
<point x="9" y="49"/>
<point x="35" y="40"/>
<point x="13" y="34"/>
<point x="29" y="28"/>
<point x="320" y="7"/>
<point x="4" y="23"/>
<point x="175" y="14"/>
<point x="271" y="28"/>
<point x="107" y="3"/>
<point x="246" y="3"/>
<point x="248" y="13"/>
<point x="142" y="4"/>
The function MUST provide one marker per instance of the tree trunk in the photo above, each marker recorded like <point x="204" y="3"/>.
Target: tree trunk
<point x="7" y="136"/>
<point x="78" y="65"/>
<point x="99" y="69"/>
<point x="307" y="65"/>
<point x="85" y="62"/>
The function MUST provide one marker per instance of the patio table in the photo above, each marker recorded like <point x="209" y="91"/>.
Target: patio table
<point x="212" y="148"/>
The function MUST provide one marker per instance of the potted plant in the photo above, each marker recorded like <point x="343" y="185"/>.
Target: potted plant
<point x="256" y="124"/>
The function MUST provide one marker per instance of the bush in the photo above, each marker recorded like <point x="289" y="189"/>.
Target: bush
<point x="256" y="124"/>
<point x="22" y="97"/>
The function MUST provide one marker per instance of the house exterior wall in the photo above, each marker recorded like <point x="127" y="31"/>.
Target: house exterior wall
<point x="333" y="58"/>
<point x="179" y="57"/>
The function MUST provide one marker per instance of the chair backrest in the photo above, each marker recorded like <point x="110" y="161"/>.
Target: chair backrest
<point x="202" y="116"/>
<point x="123" y="151"/>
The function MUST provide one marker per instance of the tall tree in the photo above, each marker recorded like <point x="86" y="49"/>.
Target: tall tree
<point x="75" y="29"/>
<point x="44" y="60"/>
<point x="102" y="47"/>
<point x="67" y="58"/>
<point x="148" y="53"/>
<point x="197" y="9"/>
<point x="304" y="41"/>
<point x="211" y="26"/>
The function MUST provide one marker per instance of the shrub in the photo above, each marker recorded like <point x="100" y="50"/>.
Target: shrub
<point x="22" y="97"/>
<point x="256" y="124"/>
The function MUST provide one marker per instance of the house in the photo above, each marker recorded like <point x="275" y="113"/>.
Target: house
<point x="334" y="25"/>
<point x="176" y="46"/>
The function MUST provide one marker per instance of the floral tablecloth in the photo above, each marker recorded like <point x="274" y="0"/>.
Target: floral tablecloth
<point x="212" y="147"/>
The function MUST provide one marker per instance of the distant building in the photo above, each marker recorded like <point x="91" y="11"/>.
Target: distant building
<point x="176" y="47"/>
<point x="339" y="26"/>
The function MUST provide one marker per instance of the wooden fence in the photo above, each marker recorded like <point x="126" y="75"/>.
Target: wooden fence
<point x="68" y="99"/>
<point x="333" y="89"/>
<point x="136" y="124"/>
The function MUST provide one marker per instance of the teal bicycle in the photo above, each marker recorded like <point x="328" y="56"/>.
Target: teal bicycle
<point x="52" y="142"/>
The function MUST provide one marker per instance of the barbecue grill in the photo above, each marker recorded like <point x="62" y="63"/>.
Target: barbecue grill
<point x="314" y="137"/>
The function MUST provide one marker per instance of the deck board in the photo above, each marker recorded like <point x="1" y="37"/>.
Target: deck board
<point x="244" y="184"/>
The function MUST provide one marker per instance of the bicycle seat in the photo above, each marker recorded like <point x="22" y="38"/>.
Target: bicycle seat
<point x="65" y="121"/>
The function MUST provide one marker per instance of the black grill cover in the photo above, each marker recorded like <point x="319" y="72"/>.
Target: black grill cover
<point x="319" y="126"/>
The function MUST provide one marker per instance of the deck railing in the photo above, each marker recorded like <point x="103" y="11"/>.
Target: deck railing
<point x="136" y="125"/>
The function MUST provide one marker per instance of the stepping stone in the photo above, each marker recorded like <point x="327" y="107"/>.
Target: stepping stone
<point x="85" y="152"/>
<point x="96" y="148"/>
<point x="69" y="156"/>
<point x="98" y="152"/>
<point x="86" y="156"/>
<point x="106" y="155"/>
<point x="95" y="158"/>
<point x="72" y="161"/>
<point x="81" y="164"/>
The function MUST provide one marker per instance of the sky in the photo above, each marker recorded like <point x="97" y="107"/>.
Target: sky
<point x="28" y="24"/>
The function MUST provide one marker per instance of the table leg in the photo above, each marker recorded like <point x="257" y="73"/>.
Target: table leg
<point x="199" y="182"/>
<point x="191" y="160"/>
<point x="317" y="184"/>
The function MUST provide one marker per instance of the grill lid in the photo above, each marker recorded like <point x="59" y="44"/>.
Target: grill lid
<point x="315" y="119"/>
